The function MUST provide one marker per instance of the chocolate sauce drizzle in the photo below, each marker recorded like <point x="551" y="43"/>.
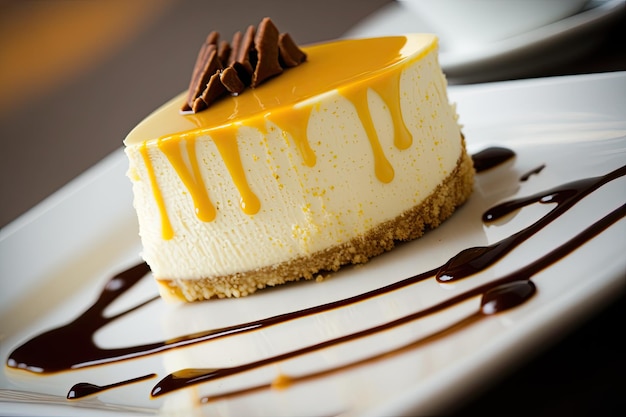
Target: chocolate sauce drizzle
<point x="50" y="352"/>
<point x="491" y="157"/>
<point x="474" y="260"/>
<point x="71" y="346"/>
<point x="503" y="295"/>
<point x="532" y="172"/>
<point x="497" y="296"/>
<point x="84" y="389"/>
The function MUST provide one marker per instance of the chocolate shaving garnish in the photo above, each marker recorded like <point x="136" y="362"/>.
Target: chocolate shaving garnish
<point x="223" y="51"/>
<point x="197" y="69"/>
<point x="207" y="65"/>
<point x="213" y="38"/>
<point x="230" y="79"/>
<point x="246" y="55"/>
<point x="266" y="44"/>
<point x="212" y="66"/>
<point x="290" y="54"/>
<point x="235" y="46"/>
<point x="196" y="82"/>
<point x="249" y="60"/>
<point x="242" y="72"/>
<point x="214" y="89"/>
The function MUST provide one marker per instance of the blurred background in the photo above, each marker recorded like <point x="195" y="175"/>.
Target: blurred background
<point x="76" y="76"/>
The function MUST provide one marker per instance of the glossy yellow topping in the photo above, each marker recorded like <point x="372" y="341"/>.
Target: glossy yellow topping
<point x="349" y="67"/>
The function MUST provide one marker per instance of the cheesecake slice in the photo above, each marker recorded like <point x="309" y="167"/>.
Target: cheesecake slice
<point x="325" y="163"/>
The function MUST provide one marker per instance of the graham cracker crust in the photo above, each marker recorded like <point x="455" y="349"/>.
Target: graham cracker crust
<point x="410" y="225"/>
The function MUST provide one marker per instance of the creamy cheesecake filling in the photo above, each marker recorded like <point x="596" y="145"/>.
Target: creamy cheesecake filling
<point x="284" y="103"/>
<point x="312" y="159"/>
<point x="409" y="225"/>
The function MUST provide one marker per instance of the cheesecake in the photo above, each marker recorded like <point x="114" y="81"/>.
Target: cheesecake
<point x="348" y="148"/>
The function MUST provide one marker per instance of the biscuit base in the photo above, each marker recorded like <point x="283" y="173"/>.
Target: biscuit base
<point x="410" y="225"/>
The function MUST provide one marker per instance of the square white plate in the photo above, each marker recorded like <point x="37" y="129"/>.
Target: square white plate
<point x="56" y="259"/>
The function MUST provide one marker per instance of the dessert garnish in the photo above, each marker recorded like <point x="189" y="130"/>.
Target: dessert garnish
<point x="250" y="59"/>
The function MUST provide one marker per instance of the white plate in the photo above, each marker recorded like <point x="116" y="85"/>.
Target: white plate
<point x="55" y="260"/>
<point x="515" y="56"/>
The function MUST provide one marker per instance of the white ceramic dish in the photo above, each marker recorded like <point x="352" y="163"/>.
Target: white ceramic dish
<point x="470" y="23"/>
<point x="55" y="260"/>
<point x="510" y="57"/>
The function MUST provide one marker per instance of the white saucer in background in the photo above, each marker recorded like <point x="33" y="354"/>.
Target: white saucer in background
<point x="508" y="58"/>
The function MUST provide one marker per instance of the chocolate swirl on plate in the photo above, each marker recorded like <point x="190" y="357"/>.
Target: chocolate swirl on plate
<point x="50" y="352"/>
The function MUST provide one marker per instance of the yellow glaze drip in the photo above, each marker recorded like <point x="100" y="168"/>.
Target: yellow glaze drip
<point x="358" y="97"/>
<point x="189" y="175"/>
<point x="389" y="89"/>
<point x="294" y="122"/>
<point x="166" y="227"/>
<point x="348" y="66"/>
<point x="226" y="142"/>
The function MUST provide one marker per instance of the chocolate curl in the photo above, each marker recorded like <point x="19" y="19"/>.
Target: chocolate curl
<point x="223" y="52"/>
<point x="198" y="77"/>
<point x="207" y="65"/>
<point x="290" y="54"/>
<point x="246" y="54"/>
<point x="242" y="72"/>
<point x="230" y="79"/>
<point x="193" y="83"/>
<point x="214" y="90"/>
<point x="212" y="38"/>
<point x="266" y="44"/>
<point x="250" y="59"/>
<point x="235" y="45"/>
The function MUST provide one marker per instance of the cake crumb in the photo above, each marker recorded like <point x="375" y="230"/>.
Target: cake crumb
<point x="320" y="278"/>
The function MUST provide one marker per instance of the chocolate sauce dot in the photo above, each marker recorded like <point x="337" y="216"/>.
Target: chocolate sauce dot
<point x="83" y="389"/>
<point x="491" y="157"/>
<point x="506" y="296"/>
